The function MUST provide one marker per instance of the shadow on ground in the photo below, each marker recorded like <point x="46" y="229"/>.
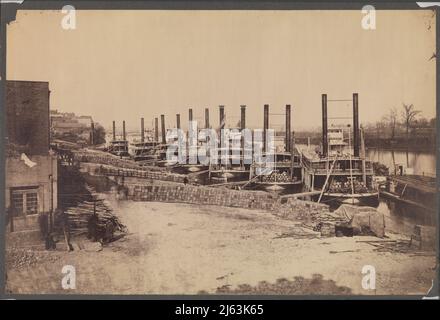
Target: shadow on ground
<point x="317" y="285"/>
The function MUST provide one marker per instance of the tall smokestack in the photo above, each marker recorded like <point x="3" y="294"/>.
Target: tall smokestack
<point x="178" y="121"/>
<point x="156" y="129"/>
<point x="123" y="130"/>
<point x="324" y="125"/>
<point x="114" y="130"/>
<point x="92" y="133"/>
<point x="190" y="114"/>
<point x="242" y="127"/>
<point x="222" y="116"/>
<point x="356" y="140"/>
<point x="288" y="129"/>
<point x="206" y="118"/>
<point x="142" y="130"/>
<point x="265" y="125"/>
<point x="222" y="123"/>
<point x="243" y="117"/>
<point x="162" y="123"/>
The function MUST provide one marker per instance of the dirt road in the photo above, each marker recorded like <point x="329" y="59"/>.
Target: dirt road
<point x="188" y="249"/>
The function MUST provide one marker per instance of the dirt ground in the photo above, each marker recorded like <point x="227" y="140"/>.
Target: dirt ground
<point x="188" y="249"/>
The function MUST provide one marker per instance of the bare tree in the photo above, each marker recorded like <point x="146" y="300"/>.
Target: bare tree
<point x="409" y="114"/>
<point x="380" y="128"/>
<point x="392" y="120"/>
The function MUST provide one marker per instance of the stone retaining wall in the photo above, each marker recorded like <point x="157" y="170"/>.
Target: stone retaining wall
<point x="176" y="191"/>
<point x="287" y="208"/>
<point x="106" y="170"/>
<point x="112" y="160"/>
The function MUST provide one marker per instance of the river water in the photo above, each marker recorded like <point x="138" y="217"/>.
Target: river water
<point x="421" y="163"/>
<point x="402" y="218"/>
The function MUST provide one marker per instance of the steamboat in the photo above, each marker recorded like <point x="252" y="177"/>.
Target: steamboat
<point x="281" y="171"/>
<point x="119" y="147"/>
<point x="229" y="164"/>
<point x="340" y="171"/>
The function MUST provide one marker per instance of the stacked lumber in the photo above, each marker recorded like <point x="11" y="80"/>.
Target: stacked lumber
<point x="92" y="207"/>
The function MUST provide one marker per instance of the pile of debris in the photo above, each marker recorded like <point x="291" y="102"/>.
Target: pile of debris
<point x="349" y="220"/>
<point x="92" y="216"/>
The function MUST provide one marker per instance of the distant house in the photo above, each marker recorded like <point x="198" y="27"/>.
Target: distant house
<point x="70" y="127"/>
<point x="31" y="170"/>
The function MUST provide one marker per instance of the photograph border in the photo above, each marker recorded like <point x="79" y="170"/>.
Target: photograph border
<point x="8" y="14"/>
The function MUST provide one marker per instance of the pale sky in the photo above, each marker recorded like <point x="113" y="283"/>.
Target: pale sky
<point x="123" y="65"/>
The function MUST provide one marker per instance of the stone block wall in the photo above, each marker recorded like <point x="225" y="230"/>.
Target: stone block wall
<point x="112" y="160"/>
<point x="290" y="209"/>
<point x="107" y="170"/>
<point x="299" y="209"/>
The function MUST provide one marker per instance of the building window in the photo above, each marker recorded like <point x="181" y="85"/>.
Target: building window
<point x="31" y="203"/>
<point x="24" y="201"/>
<point x="17" y="203"/>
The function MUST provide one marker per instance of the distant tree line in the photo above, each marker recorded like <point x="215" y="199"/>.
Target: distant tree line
<point x="402" y="129"/>
<point x="98" y="134"/>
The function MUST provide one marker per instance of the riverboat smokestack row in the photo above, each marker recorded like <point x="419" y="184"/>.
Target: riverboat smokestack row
<point x="114" y="130"/>
<point x="123" y="131"/>
<point x="295" y="170"/>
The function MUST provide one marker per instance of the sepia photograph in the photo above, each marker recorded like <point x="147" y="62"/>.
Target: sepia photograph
<point x="219" y="151"/>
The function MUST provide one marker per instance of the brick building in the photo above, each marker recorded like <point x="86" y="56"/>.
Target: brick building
<point x="31" y="169"/>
